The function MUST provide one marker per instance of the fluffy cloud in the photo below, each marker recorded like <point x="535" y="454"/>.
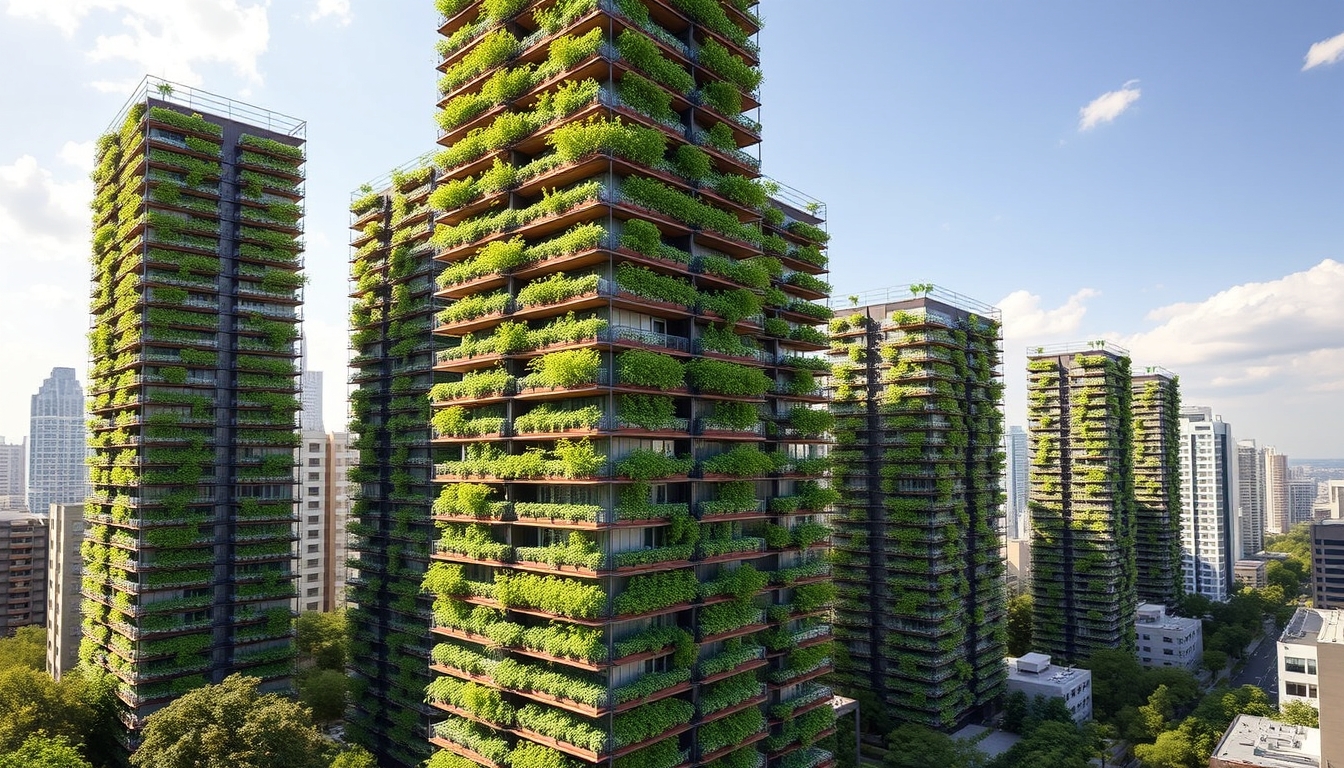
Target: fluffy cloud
<point x="43" y="219"/>
<point x="339" y="9"/>
<point x="1025" y="320"/>
<point x="1325" y="52"/>
<point x="167" y="39"/>
<point x="1108" y="106"/>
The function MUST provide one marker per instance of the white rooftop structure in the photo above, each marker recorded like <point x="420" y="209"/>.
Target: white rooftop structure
<point x="1168" y="641"/>
<point x="1259" y="742"/>
<point x="1034" y="675"/>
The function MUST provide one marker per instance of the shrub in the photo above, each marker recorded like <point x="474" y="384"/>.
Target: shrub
<point x="570" y="368"/>
<point x="643" y="95"/>
<point x="692" y="162"/>
<point x="633" y="142"/>
<point x="556" y="288"/>
<point x="656" y="590"/>
<point x="642" y="368"/>
<point x="730" y="66"/>
<point x="742" y="461"/>
<point x="644" y="55"/>
<point x="723" y="97"/>
<point x="651" y="285"/>
<point x="647" y="411"/>
<point x="733" y="415"/>
<point x="548" y="418"/>
<point x="646" y="464"/>
<point x="719" y="377"/>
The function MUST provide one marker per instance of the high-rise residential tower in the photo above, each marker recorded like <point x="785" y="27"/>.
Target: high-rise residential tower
<point x="12" y="481"/>
<point x="57" y="472"/>
<point x="1016" y="484"/>
<point x="1277" y="499"/>
<point x="1156" y="408"/>
<point x="1301" y="501"/>
<point x="65" y="569"/>
<point x="626" y="452"/>
<point x="23" y="561"/>
<point x="310" y="415"/>
<point x="1208" y="494"/>
<point x="1080" y="432"/>
<point x="196" y="259"/>
<point x="1250" y="498"/>
<point x="919" y="564"/>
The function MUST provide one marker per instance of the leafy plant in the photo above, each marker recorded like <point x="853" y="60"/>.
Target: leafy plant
<point x="656" y="590"/>
<point x="646" y="464"/>
<point x="642" y="368"/>
<point x="724" y="378"/>
<point x="570" y="368"/>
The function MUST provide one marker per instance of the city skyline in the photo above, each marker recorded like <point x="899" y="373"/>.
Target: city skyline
<point x="1184" y="227"/>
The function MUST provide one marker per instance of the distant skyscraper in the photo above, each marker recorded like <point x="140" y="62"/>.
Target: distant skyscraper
<point x="1276" y="491"/>
<point x="1251" y="497"/>
<point x="57" y="473"/>
<point x="1208" y="514"/>
<point x="1301" y="501"/>
<point x="1082" y="499"/>
<point x="310" y="416"/>
<point x="11" y="474"/>
<point x="1015" y="483"/>
<point x="1157" y="486"/>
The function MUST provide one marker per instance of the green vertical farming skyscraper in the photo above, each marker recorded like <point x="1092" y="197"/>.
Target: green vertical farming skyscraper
<point x="1157" y="486"/>
<point x="1081" y="499"/>
<point x="196" y="296"/>
<point x="917" y="395"/>
<point x="588" y="419"/>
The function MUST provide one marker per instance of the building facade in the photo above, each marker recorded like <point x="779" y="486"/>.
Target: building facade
<point x="324" y="506"/>
<point x="1168" y="641"/>
<point x="917" y="393"/>
<point x="57" y="444"/>
<point x="189" y="528"/>
<point x="1156" y="408"/>
<point x="1250" y="497"/>
<point x="1327" y="564"/>
<point x="23" y="571"/>
<point x="1251" y="573"/>
<point x="622" y="476"/>
<point x="341" y="458"/>
<point x="1034" y="675"/>
<point x="1277" y="503"/>
<point x="1301" y="501"/>
<point x="310" y="415"/>
<point x="1208" y="495"/>
<point x="1017" y="523"/>
<point x="12" y="475"/>
<point x="65" y="525"/>
<point x="1082" y="499"/>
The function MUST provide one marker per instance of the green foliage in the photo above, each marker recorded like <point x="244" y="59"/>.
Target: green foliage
<point x="325" y="692"/>
<point x="323" y="639"/>
<point x="915" y="746"/>
<point x="490" y="51"/>
<point x="652" y="285"/>
<point x="656" y="590"/>
<point x="657" y="196"/>
<point x="810" y="421"/>
<point x="651" y="412"/>
<point x="1299" y="713"/>
<point x="729" y="65"/>
<point x="646" y="464"/>
<point x="193" y="122"/>
<point x="734" y="729"/>
<point x="556" y="288"/>
<point x="751" y="273"/>
<point x="549" y="418"/>
<point x="724" y="97"/>
<point x="26" y="648"/>
<point x="724" y="378"/>
<point x="649" y="720"/>
<point x="478" y="383"/>
<point x="633" y="142"/>
<point x="645" y="96"/>
<point x="733" y="306"/>
<point x="644" y="55"/>
<point x="645" y="238"/>
<point x="732" y="415"/>
<point x="1019" y="625"/>
<point x="563" y="597"/>
<point x="42" y="751"/>
<point x="231" y="724"/>
<point x="642" y="368"/>
<point x="570" y="368"/>
<point x="692" y="162"/>
<point x="529" y="755"/>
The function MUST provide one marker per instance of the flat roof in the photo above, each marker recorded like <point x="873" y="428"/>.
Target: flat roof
<point x="1303" y="628"/>
<point x="1262" y="742"/>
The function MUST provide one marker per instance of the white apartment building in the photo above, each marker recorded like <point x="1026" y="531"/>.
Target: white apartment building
<point x="1251" y="497"/>
<point x="1276" y="490"/>
<point x="1299" y="678"/>
<point x="1017" y="522"/>
<point x="1168" y="641"/>
<point x="57" y="472"/>
<point x="1034" y="675"/>
<point x="1209" y="529"/>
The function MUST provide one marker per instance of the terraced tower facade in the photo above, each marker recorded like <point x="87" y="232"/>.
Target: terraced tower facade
<point x="1080" y="431"/>
<point x="917" y="393"/>
<point x="1156" y="402"/>
<point x="616" y="411"/>
<point x="196" y="295"/>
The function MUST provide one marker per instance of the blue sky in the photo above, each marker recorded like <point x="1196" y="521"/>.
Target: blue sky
<point x="1194" y="214"/>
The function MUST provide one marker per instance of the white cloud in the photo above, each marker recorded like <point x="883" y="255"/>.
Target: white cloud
<point x="166" y="38"/>
<point x="78" y="154"/>
<point x="340" y="9"/>
<point x="42" y="219"/>
<point x="1325" y="52"/>
<point x="1025" y="320"/>
<point x="1108" y="106"/>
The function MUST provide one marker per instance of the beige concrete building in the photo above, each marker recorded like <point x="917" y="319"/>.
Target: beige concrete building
<point x="64" y="572"/>
<point x="324" y="506"/>
<point x="1017" y="557"/>
<point x="1250" y="573"/>
<point x="23" y="571"/>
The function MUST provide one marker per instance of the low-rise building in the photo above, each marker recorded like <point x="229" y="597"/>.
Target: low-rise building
<point x="1250" y="572"/>
<point x="1034" y="675"/>
<point x="1299" y="678"/>
<point x="1168" y="641"/>
<point x="1261" y="742"/>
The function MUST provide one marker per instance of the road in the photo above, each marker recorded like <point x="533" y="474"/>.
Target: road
<point x="1262" y="668"/>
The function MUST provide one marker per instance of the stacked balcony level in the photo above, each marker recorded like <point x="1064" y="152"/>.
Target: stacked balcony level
<point x="391" y="320"/>
<point x="1081" y="500"/>
<point x="1157" y="486"/>
<point x="628" y="436"/>
<point x="917" y="393"/>
<point x="189" y="544"/>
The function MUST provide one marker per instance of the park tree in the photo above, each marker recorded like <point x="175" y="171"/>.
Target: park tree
<point x="325" y="692"/>
<point x="232" y="724"/>
<point x="1173" y="749"/>
<point x="26" y="648"/>
<point x="322" y="639"/>
<point x="914" y="746"/>
<point x="1155" y="714"/>
<point x="1300" y="713"/>
<point x="1050" y="745"/>
<point x="42" y="751"/>
<point x="30" y="701"/>
<point x="354" y="757"/>
<point x="1214" y="660"/>
<point x="1019" y="625"/>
